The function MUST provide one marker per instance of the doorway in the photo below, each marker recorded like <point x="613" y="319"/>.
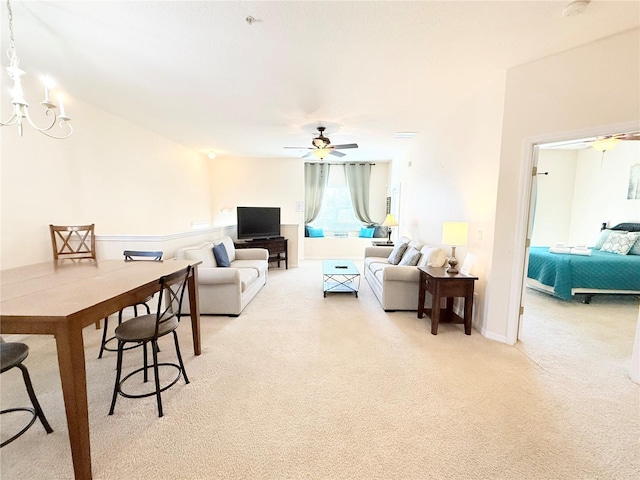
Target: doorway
<point x="574" y="190"/>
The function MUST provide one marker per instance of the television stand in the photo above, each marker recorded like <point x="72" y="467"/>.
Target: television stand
<point x="277" y="247"/>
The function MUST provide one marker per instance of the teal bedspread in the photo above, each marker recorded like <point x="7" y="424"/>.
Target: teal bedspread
<point x="600" y="271"/>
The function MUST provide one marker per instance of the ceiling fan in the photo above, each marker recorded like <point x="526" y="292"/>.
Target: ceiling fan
<point x="322" y="146"/>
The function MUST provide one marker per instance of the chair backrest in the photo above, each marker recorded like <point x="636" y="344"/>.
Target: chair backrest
<point x="142" y="255"/>
<point x="172" y="288"/>
<point x="73" y="241"/>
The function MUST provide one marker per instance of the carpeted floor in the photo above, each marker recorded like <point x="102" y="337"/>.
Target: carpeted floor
<point x="305" y="387"/>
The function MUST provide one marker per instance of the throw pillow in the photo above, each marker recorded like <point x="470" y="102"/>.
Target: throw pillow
<point x="366" y="232"/>
<point x="315" y="232"/>
<point x="396" y="253"/>
<point x="635" y="250"/>
<point x="222" y="257"/>
<point x="410" y="257"/>
<point x="432" y="257"/>
<point x="620" y="243"/>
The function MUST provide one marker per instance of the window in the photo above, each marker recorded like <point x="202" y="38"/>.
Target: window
<point x="336" y="213"/>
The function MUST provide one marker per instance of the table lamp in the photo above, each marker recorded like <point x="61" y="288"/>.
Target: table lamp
<point x="455" y="235"/>
<point x="389" y="221"/>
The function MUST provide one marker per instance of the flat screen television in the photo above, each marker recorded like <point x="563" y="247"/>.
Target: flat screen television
<point x="258" y="222"/>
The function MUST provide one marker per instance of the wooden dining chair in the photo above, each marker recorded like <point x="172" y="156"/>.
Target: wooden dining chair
<point x="12" y="354"/>
<point x="148" y="329"/>
<point x="129" y="256"/>
<point x="73" y="241"/>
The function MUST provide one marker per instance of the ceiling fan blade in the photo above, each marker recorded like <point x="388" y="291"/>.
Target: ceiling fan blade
<point x="301" y="148"/>
<point x="337" y="154"/>
<point x="306" y="155"/>
<point x="346" y="145"/>
<point x="630" y="136"/>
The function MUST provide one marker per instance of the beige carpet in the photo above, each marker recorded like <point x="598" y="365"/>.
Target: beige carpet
<point x="305" y="387"/>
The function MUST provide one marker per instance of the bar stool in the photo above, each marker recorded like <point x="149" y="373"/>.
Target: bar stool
<point x="129" y="256"/>
<point x="12" y="354"/>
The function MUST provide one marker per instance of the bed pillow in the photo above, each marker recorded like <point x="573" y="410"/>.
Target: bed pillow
<point x="604" y="234"/>
<point x="635" y="250"/>
<point x="619" y="242"/>
<point x="410" y="257"/>
<point x="396" y="254"/>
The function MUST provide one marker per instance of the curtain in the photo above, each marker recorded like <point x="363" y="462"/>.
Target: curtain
<point x="358" y="179"/>
<point x="316" y="176"/>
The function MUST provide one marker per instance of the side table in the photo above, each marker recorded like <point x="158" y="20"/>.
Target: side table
<point x="381" y="243"/>
<point x="445" y="285"/>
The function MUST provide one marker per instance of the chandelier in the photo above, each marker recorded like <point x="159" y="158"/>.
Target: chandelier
<point x="20" y="105"/>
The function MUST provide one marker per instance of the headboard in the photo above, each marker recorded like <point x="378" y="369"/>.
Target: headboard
<point x="627" y="227"/>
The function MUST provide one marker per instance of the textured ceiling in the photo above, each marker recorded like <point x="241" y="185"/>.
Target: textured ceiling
<point x="197" y="72"/>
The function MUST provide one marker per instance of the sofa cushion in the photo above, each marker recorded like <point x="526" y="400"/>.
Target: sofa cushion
<point x="222" y="258"/>
<point x="247" y="277"/>
<point x="396" y="254"/>
<point x="410" y="257"/>
<point x="202" y="253"/>
<point x="258" y="265"/>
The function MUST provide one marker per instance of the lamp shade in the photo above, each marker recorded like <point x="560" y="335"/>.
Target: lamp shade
<point x="454" y="233"/>
<point x="390" y="221"/>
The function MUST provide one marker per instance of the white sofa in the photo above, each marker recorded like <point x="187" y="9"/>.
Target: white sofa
<point x="396" y="286"/>
<point x="226" y="290"/>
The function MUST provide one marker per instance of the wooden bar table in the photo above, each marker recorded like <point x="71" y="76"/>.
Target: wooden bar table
<point x="62" y="297"/>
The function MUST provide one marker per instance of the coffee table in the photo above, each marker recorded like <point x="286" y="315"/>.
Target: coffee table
<point x="340" y="276"/>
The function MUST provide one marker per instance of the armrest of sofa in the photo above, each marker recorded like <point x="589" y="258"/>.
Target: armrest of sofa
<point x="252" y="254"/>
<point x="218" y="275"/>
<point x="401" y="273"/>
<point x="379" y="251"/>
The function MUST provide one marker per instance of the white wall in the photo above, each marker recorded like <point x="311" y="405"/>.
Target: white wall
<point x="595" y="86"/>
<point x="125" y="179"/>
<point x="583" y="190"/>
<point x="601" y="190"/>
<point x="275" y="182"/>
<point x="554" y="197"/>
<point x="259" y="182"/>
<point x="450" y="172"/>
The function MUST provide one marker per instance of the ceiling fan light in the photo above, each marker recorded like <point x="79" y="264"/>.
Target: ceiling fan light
<point x="321" y="153"/>
<point x="605" y="144"/>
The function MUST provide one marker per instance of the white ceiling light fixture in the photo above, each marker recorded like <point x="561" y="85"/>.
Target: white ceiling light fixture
<point x="321" y="153"/>
<point x="575" y="8"/>
<point x="20" y="105"/>
<point x="404" y="134"/>
<point x="605" y="144"/>
<point x="211" y="154"/>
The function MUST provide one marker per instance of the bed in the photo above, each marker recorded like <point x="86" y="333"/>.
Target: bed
<point x="567" y="275"/>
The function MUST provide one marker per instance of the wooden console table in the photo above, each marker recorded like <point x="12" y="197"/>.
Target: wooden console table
<point x="278" y="248"/>
<point x="441" y="284"/>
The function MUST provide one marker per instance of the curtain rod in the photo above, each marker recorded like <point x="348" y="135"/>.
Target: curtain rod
<point x="341" y="163"/>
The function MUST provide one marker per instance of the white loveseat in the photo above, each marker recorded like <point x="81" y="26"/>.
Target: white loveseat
<point x="226" y="290"/>
<point x="396" y="286"/>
